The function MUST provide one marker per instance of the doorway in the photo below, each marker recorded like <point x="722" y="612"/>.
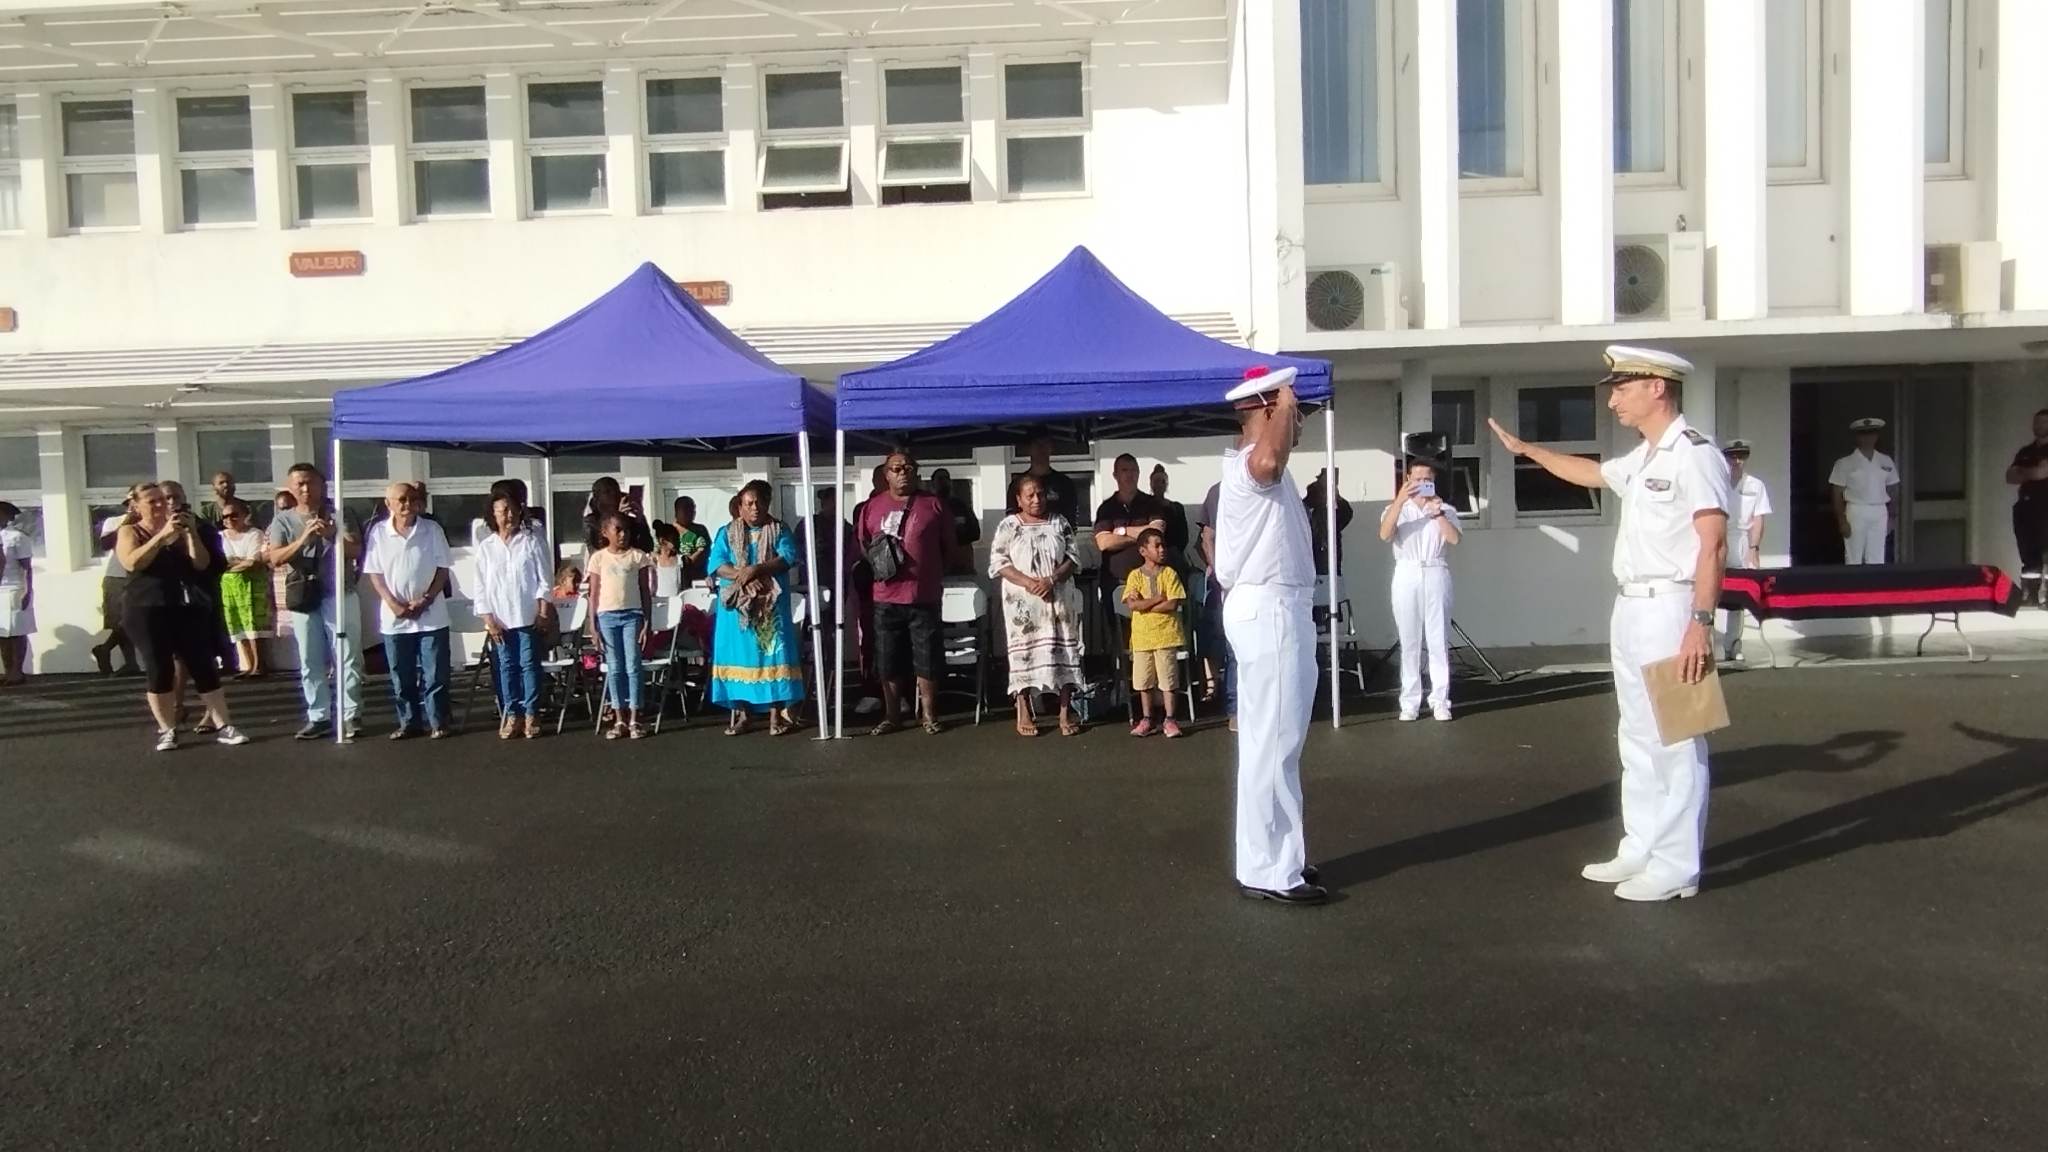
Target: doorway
<point x="1926" y="410"/>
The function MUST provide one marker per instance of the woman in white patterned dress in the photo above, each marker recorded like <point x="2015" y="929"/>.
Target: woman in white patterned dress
<point x="1032" y="554"/>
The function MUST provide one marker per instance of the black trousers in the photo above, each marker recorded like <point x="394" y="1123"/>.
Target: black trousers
<point x="2030" y="532"/>
<point x="173" y="632"/>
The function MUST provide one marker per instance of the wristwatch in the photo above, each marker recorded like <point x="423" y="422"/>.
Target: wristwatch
<point x="1704" y="617"/>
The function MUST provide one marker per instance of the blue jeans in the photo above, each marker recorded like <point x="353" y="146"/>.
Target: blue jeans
<point x="1212" y="626"/>
<point x="516" y="667"/>
<point x="419" y="678"/>
<point x="619" y="631"/>
<point x="313" y="633"/>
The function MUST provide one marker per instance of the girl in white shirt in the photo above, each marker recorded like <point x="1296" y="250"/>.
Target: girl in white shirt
<point x="17" y="597"/>
<point x="1420" y="526"/>
<point x="513" y="586"/>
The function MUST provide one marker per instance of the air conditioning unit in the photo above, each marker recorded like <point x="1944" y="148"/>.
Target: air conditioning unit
<point x="1661" y="277"/>
<point x="1965" y="277"/>
<point x="1357" y="298"/>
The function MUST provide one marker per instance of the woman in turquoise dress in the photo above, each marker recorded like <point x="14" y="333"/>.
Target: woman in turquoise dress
<point x="756" y="661"/>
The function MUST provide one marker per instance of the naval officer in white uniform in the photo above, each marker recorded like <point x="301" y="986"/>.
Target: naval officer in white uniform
<point x="1745" y="533"/>
<point x="1669" y="554"/>
<point x="1863" y="483"/>
<point x="1420" y="526"/>
<point x="1265" y="564"/>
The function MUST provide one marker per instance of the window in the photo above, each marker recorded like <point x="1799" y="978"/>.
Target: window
<point x="450" y="152"/>
<point x="1342" y="100"/>
<point x="1564" y="419"/>
<point x="1494" y="100"/>
<point x="331" y="155"/>
<point x="565" y="146"/>
<point x="1792" y="88"/>
<point x="1455" y="415"/>
<point x="216" y="174"/>
<point x="803" y="141"/>
<point x="99" y="164"/>
<point x="21" y="484"/>
<point x="685" y="142"/>
<point x="1945" y="95"/>
<point x="459" y="488"/>
<point x="10" y="170"/>
<point x="366" y="471"/>
<point x="114" y="462"/>
<point x="1645" y="87"/>
<point x="924" y="136"/>
<point x="1045" y="129"/>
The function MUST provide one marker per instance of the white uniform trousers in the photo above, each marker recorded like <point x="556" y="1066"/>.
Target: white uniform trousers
<point x="1868" y="526"/>
<point x="1663" y="787"/>
<point x="1422" y="615"/>
<point x="1273" y="638"/>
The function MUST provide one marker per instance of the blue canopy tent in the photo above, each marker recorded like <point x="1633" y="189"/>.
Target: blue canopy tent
<point x="640" y="370"/>
<point x="1079" y="352"/>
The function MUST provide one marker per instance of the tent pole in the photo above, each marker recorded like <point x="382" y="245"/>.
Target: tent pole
<point x="1333" y="550"/>
<point x="547" y="507"/>
<point x="337" y="665"/>
<point x="817" y="612"/>
<point x="839" y="584"/>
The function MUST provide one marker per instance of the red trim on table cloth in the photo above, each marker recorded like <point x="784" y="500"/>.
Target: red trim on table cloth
<point x="1973" y="594"/>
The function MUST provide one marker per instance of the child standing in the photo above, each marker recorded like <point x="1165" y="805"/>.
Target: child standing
<point x="619" y="586"/>
<point x="1155" y="594"/>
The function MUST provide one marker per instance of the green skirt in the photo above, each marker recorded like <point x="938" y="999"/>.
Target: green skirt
<point x="245" y="604"/>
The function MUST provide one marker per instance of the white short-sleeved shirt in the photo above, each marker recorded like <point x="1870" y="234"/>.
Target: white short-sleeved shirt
<point x="1662" y="487"/>
<point x="1261" y="530"/>
<point x="1418" y="536"/>
<point x="1865" y="479"/>
<point x="512" y="578"/>
<point x="1751" y="501"/>
<point x="408" y="563"/>
<point x="108" y="527"/>
<point x="16" y="553"/>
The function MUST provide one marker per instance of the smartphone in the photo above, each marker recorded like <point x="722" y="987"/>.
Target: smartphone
<point x="1425" y="488"/>
<point x="638" y="495"/>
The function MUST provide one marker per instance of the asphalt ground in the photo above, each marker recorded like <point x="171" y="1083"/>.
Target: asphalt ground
<point x="970" y="941"/>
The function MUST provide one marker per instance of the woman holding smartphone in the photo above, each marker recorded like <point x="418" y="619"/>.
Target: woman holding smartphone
<point x="169" y="610"/>
<point x="1420" y="526"/>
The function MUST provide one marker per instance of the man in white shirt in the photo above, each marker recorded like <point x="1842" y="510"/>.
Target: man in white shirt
<point x="1745" y="533"/>
<point x="1264" y="562"/>
<point x="514" y="582"/>
<point x="1862" y="484"/>
<point x="1420" y="526"/>
<point x="1669" y="556"/>
<point x="406" y="562"/>
<point x="113" y="585"/>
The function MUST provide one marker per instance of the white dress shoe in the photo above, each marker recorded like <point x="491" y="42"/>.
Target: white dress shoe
<point x="1443" y="715"/>
<point x="1407" y="717"/>
<point x="1648" y="891"/>
<point x="1613" y="871"/>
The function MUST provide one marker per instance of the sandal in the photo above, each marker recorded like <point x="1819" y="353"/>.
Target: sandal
<point x="883" y="729"/>
<point x="778" y="726"/>
<point x="1026" y="727"/>
<point x="737" y="726"/>
<point x="933" y="727"/>
<point x="615" y="732"/>
<point x="1070" y="726"/>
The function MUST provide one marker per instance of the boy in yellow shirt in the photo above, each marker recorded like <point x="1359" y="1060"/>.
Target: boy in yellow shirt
<point x="1154" y="593"/>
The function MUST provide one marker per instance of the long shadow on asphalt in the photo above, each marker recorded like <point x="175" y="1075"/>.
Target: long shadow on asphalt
<point x="1837" y="755"/>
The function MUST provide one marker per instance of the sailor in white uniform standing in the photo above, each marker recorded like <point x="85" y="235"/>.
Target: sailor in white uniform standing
<point x="1863" y="483"/>
<point x="1420" y="526"/>
<point x="1264" y="562"/>
<point x="1669" y="554"/>
<point x="1745" y="533"/>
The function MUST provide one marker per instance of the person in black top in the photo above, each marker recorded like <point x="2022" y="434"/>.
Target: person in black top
<point x="966" y="521"/>
<point x="1318" y="524"/>
<point x="1119" y="521"/>
<point x="1176" y="517"/>
<point x="607" y="498"/>
<point x="2029" y="472"/>
<point x="171" y="610"/>
<point x="1061" y="497"/>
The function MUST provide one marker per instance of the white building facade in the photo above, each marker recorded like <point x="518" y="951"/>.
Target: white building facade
<point x="213" y="217"/>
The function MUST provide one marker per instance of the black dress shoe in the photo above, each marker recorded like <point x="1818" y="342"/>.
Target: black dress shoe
<point x="1299" y="894"/>
<point x="1310" y="874"/>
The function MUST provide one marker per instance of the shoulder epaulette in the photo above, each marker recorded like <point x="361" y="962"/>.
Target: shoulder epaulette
<point x="1697" y="440"/>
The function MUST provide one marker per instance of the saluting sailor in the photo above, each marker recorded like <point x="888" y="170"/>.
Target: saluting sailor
<point x="1862" y="484"/>
<point x="1264" y="562"/>
<point x="1669" y="554"/>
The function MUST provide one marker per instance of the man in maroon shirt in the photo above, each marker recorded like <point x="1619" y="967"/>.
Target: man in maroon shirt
<point x="906" y="605"/>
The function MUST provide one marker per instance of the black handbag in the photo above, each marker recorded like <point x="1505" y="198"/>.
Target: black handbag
<point x="884" y="555"/>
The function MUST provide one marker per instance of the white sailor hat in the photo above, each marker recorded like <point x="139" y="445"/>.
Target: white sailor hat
<point x="1260" y="382"/>
<point x="1627" y="362"/>
<point x="1867" y="424"/>
<point x="1735" y="448"/>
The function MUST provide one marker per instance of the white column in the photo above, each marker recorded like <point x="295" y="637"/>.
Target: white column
<point x="1700" y="399"/>
<point x="1887" y="131"/>
<point x="67" y="537"/>
<point x="156" y="139"/>
<point x="1436" y="177"/>
<point x="42" y="186"/>
<point x="1736" y="158"/>
<point x="863" y="115"/>
<point x="390" y="205"/>
<point x="173" y="455"/>
<point x="984" y="96"/>
<point x="2021" y="179"/>
<point x="742" y="135"/>
<point x="1418" y="387"/>
<point x="623" y="178"/>
<point x="1585" y="161"/>
<point x="504" y="120"/>
<point x="1271" y="52"/>
<point x="269" y="142"/>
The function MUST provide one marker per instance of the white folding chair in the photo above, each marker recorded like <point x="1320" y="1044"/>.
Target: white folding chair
<point x="463" y="620"/>
<point x="564" y="665"/>
<point x="963" y="637"/>
<point x="1349" y="661"/>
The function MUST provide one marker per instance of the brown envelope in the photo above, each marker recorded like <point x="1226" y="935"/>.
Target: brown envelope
<point x="1684" y="710"/>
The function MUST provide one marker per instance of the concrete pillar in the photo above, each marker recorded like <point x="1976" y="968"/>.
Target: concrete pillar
<point x="67" y="538"/>
<point x="390" y="203"/>
<point x="1271" y="52"/>
<point x="42" y="187"/>
<point x="1737" y="158"/>
<point x="742" y="134"/>
<point x="984" y="96"/>
<point x="624" y="181"/>
<point x="1436" y="171"/>
<point x="174" y="455"/>
<point x="2021" y="174"/>
<point x="505" y="121"/>
<point x="863" y="117"/>
<point x="1585" y="161"/>
<point x="1700" y="400"/>
<point x="284" y="452"/>
<point x="156" y="139"/>
<point x="1887" y="65"/>
<point x="270" y="145"/>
